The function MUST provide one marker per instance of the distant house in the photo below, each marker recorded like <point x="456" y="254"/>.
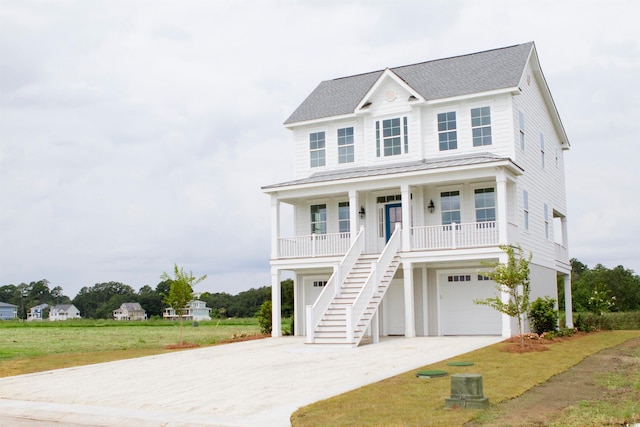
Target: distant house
<point x="36" y="312"/>
<point x="8" y="311"/>
<point x="130" y="311"/>
<point x="64" y="312"/>
<point x="195" y="310"/>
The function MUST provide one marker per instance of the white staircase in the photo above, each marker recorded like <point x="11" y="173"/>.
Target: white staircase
<point x="355" y="301"/>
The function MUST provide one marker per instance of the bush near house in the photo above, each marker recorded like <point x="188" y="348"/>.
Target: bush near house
<point x="543" y="315"/>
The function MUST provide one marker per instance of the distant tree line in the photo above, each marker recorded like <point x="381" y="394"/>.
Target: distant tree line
<point x="99" y="301"/>
<point x="619" y="283"/>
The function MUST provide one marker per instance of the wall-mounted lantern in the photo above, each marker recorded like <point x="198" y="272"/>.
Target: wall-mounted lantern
<point x="431" y="206"/>
<point x="362" y="213"/>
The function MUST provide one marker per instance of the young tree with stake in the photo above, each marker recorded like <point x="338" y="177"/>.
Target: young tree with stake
<point x="512" y="279"/>
<point x="180" y="291"/>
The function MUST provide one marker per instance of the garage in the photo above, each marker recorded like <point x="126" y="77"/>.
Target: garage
<point x="458" y="313"/>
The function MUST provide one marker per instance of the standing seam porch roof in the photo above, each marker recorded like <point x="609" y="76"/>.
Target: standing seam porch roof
<point x="442" y="78"/>
<point x="396" y="168"/>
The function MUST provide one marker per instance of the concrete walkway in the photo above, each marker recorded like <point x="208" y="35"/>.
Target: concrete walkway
<point x="253" y="383"/>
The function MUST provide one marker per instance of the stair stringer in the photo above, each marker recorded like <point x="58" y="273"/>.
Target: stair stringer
<point x="374" y="302"/>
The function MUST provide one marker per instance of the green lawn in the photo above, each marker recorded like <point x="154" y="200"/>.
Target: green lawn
<point x="35" y="346"/>
<point x="405" y="400"/>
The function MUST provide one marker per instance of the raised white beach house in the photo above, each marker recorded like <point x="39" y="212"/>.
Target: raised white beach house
<point x="406" y="181"/>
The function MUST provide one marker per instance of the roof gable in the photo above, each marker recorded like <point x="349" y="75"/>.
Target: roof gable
<point x="443" y="78"/>
<point x="386" y="75"/>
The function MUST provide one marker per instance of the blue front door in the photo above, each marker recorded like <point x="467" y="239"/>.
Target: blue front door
<point x="393" y="216"/>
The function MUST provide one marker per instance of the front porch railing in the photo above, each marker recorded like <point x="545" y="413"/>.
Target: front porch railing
<point x="454" y="236"/>
<point x="314" y="245"/>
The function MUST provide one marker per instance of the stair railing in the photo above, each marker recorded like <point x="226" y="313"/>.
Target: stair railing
<point x="332" y="288"/>
<point x="355" y="311"/>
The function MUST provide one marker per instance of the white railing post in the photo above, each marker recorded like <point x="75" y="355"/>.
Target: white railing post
<point x="453" y="235"/>
<point x="336" y="283"/>
<point x="313" y="245"/>
<point x="349" y="321"/>
<point x="309" y="324"/>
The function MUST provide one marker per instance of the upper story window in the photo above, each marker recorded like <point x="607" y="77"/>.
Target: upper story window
<point x="542" y="150"/>
<point x="317" y="149"/>
<point x="392" y="136"/>
<point x="447" y="133"/>
<point x="450" y="207"/>
<point x="481" y="126"/>
<point x="485" y="199"/>
<point x="521" y="125"/>
<point x="319" y="219"/>
<point x="345" y="145"/>
<point x="546" y="221"/>
<point x="344" y="223"/>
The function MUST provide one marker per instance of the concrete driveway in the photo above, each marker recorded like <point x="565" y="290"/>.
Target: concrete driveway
<point x="253" y="383"/>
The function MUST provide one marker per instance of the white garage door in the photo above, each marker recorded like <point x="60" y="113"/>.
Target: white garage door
<point x="458" y="313"/>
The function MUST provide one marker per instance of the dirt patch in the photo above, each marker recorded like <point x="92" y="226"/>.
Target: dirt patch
<point x="234" y="338"/>
<point x="535" y="344"/>
<point x="241" y="338"/>
<point x="181" y="346"/>
<point x="545" y="403"/>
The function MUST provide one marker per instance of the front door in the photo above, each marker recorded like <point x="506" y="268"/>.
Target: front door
<point x="393" y="215"/>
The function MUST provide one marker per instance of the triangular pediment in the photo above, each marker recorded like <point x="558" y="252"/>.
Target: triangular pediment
<point x="393" y="86"/>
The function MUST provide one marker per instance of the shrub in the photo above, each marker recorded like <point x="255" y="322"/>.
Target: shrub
<point x="588" y="322"/>
<point x="543" y="315"/>
<point x="264" y="317"/>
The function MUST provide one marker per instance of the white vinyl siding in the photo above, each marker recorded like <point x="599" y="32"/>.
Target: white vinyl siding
<point x="521" y="128"/>
<point x="542" y="150"/>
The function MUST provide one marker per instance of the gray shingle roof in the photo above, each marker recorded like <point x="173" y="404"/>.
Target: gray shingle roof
<point x="443" y="78"/>
<point x="396" y="168"/>
<point x="132" y="306"/>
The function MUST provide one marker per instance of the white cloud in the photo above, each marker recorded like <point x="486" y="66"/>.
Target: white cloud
<point x="138" y="134"/>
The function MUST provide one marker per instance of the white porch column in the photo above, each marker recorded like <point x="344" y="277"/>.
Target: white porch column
<point x="353" y="214"/>
<point x="275" y="225"/>
<point x="409" y="312"/>
<point x="425" y="301"/>
<point x="501" y="205"/>
<point x="568" y="302"/>
<point x="406" y="219"/>
<point x="276" y="315"/>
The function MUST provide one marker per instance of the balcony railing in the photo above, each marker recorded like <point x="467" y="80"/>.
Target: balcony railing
<point x="454" y="236"/>
<point x="314" y="245"/>
<point x="562" y="254"/>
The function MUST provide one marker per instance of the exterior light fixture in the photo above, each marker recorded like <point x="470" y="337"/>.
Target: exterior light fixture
<point x="362" y="213"/>
<point x="431" y="206"/>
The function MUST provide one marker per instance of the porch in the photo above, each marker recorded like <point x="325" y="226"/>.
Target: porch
<point x="424" y="238"/>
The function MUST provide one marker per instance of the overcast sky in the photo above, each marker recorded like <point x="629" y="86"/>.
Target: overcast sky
<point x="137" y="134"/>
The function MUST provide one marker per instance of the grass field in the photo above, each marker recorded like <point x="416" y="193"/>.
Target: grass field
<point x="405" y="400"/>
<point x="36" y="346"/>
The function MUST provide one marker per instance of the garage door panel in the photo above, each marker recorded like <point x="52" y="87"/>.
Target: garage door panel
<point x="459" y="315"/>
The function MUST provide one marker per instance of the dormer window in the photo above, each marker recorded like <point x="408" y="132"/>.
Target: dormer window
<point x="392" y="137"/>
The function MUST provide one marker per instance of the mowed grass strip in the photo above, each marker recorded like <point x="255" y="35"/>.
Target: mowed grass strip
<point x="36" y="347"/>
<point x="405" y="400"/>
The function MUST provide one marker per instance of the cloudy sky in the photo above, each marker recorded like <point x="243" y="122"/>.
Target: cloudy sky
<point x="137" y="134"/>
